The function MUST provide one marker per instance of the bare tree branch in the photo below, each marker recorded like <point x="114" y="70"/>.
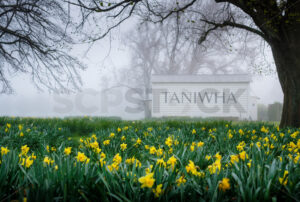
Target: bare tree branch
<point x="231" y="24"/>
<point x="34" y="41"/>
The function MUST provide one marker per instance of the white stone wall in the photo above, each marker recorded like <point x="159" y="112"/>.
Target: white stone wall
<point x="178" y="99"/>
<point x="253" y="108"/>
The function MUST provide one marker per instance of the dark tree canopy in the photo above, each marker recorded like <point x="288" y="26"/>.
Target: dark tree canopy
<point x="33" y="39"/>
<point x="277" y="22"/>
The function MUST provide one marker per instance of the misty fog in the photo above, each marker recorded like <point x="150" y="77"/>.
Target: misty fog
<point x="106" y="60"/>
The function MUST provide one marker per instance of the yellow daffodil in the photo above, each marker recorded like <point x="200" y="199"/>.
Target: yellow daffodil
<point x="24" y="150"/>
<point x="106" y="142"/>
<point x="224" y="184"/>
<point x="159" y="152"/>
<point x="234" y="159"/>
<point x="161" y="162"/>
<point x="48" y="160"/>
<point x="243" y="155"/>
<point x="264" y="130"/>
<point x="8" y="125"/>
<point x="172" y="161"/>
<point x="27" y="162"/>
<point x="152" y="150"/>
<point x="192" y="148"/>
<point x="180" y="181"/>
<point x="4" y="150"/>
<point x="147" y="181"/>
<point x="138" y="142"/>
<point x="123" y="146"/>
<point x="117" y="158"/>
<point x="249" y="163"/>
<point x="207" y="157"/>
<point x="258" y="144"/>
<point x="283" y="180"/>
<point x="191" y="168"/>
<point x="216" y="166"/>
<point x="158" y="190"/>
<point x="169" y="141"/>
<point x="112" y="135"/>
<point x="67" y="151"/>
<point x="81" y="157"/>
<point x="94" y="145"/>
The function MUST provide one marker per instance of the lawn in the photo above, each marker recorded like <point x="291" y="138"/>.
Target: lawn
<point x="94" y="159"/>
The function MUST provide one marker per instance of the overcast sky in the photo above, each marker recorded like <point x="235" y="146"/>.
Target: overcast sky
<point x="102" y="59"/>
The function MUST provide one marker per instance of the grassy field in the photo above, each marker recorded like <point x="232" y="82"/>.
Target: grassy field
<point x="94" y="159"/>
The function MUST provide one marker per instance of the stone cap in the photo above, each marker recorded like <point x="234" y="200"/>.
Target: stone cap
<point x="201" y="78"/>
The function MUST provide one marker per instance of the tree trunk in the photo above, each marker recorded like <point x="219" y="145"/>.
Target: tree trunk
<point x="287" y="59"/>
<point x="147" y="109"/>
